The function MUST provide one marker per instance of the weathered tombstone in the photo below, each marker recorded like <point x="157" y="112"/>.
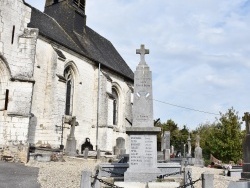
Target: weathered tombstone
<point x="165" y="142"/>
<point x="119" y="149"/>
<point x="86" y="153"/>
<point x="198" y="153"/>
<point x="246" y="148"/>
<point x="189" y="146"/>
<point x="172" y="150"/>
<point x="143" y="142"/>
<point x="71" y="141"/>
<point x="166" y="154"/>
<point x="165" y="145"/>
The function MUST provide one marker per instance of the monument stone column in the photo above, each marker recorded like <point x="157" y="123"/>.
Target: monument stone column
<point x="246" y="148"/>
<point x="142" y="134"/>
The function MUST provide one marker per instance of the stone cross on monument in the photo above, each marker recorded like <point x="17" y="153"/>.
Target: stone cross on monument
<point x="142" y="135"/>
<point x="143" y="52"/>
<point x="246" y="148"/>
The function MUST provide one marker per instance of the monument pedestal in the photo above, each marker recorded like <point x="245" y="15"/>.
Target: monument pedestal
<point x="71" y="146"/>
<point x="143" y="154"/>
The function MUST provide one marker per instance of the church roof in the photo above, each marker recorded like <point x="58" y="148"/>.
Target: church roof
<point x="89" y="44"/>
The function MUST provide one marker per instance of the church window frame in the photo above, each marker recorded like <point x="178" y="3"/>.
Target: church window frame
<point x="115" y="113"/>
<point x="5" y="75"/>
<point x="70" y="82"/>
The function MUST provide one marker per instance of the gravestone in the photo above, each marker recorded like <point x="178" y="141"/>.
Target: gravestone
<point x="198" y="161"/>
<point x="165" y="142"/>
<point x="142" y="135"/>
<point x="172" y="150"/>
<point x="71" y="141"/>
<point x="246" y="148"/>
<point x="189" y="154"/>
<point x="166" y="155"/>
<point x="119" y="149"/>
<point x="86" y="153"/>
<point x="165" y="145"/>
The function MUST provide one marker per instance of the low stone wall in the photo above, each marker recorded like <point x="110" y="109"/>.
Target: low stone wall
<point x="15" y="153"/>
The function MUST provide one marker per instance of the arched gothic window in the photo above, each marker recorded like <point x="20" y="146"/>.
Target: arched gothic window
<point x="68" y="74"/>
<point x="115" y="106"/>
<point x="4" y="91"/>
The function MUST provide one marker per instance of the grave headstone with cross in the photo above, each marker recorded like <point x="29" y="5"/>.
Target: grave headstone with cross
<point x="198" y="153"/>
<point x="143" y="142"/>
<point x="189" y="154"/>
<point x="71" y="141"/>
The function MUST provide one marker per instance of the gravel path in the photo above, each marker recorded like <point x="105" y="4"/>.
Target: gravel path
<point x="62" y="174"/>
<point x="68" y="174"/>
<point x="220" y="181"/>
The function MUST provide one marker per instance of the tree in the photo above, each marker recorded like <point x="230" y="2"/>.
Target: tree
<point x="204" y="130"/>
<point x="225" y="138"/>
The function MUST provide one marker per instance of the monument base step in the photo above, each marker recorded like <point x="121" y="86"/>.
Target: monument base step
<point x="142" y="176"/>
<point x="239" y="184"/>
<point x="150" y="184"/>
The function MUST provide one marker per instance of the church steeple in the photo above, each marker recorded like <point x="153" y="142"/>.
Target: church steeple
<point x="78" y="4"/>
<point x="70" y="14"/>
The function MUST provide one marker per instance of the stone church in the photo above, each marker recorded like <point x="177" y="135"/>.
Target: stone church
<point x="54" y="67"/>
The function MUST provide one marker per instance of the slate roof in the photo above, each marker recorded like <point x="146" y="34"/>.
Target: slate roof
<point x="90" y="44"/>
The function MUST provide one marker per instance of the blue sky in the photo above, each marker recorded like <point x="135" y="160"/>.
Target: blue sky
<point x="199" y="51"/>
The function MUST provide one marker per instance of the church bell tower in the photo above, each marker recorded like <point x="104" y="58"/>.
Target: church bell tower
<point x="70" y="14"/>
<point x="80" y="4"/>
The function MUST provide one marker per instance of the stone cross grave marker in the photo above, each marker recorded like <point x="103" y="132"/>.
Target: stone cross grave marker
<point x="142" y="135"/>
<point x="71" y="141"/>
<point x="189" y="154"/>
<point x="198" y="153"/>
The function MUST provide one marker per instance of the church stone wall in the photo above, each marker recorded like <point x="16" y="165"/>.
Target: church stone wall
<point x="48" y="104"/>
<point x="49" y="96"/>
<point x="32" y="70"/>
<point x="17" y="50"/>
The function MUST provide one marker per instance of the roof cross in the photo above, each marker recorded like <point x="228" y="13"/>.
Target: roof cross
<point x="142" y="51"/>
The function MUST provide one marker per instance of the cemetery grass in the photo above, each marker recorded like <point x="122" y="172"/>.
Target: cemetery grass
<point x="68" y="174"/>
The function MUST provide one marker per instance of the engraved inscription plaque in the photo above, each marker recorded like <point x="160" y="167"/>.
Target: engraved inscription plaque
<point x="142" y="151"/>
